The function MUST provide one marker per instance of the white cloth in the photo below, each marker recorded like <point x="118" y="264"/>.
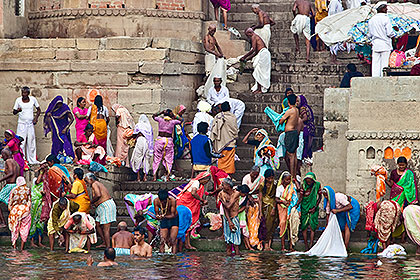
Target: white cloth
<point x="380" y="60"/>
<point x="27" y="132"/>
<point x="27" y="113"/>
<point x="237" y="107"/>
<point x="140" y="158"/>
<point x="218" y="70"/>
<point x="214" y="97"/>
<point x="299" y="151"/>
<point x="392" y="251"/>
<point x="279" y="191"/>
<point x="201" y="117"/>
<point x="109" y="148"/>
<point x="209" y="62"/>
<point x="262" y="70"/>
<point x="301" y="24"/>
<point x="264" y="33"/>
<point x="335" y="7"/>
<point x="341" y="201"/>
<point x="104" y="111"/>
<point x="330" y="243"/>
<point x="351" y="4"/>
<point x="381" y="32"/>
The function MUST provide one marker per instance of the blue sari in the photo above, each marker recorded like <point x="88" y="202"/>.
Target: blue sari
<point x="349" y="218"/>
<point x="65" y="171"/>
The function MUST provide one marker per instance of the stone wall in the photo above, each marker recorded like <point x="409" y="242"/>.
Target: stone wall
<point x="145" y="75"/>
<point x="374" y="122"/>
<point x="11" y="25"/>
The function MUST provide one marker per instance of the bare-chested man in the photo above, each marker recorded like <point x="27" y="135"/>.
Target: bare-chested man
<point x="122" y="240"/>
<point x="166" y="213"/>
<point x="11" y="171"/>
<point x="231" y="227"/>
<point x="109" y="258"/>
<point x="303" y="11"/>
<point x="264" y="23"/>
<point x="261" y="64"/>
<point x="212" y="48"/>
<point x="291" y="138"/>
<point x="141" y="249"/>
<point x="106" y="210"/>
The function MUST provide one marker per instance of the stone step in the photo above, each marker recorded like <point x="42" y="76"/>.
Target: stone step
<point x="272" y="7"/>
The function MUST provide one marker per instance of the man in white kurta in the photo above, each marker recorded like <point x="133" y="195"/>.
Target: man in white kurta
<point x="237" y="107"/>
<point x="381" y="33"/>
<point x="24" y="108"/>
<point x="203" y="115"/>
<point x="218" y="93"/>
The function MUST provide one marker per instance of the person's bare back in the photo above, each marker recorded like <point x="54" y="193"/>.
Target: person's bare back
<point x="303" y="7"/>
<point x="123" y="239"/>
<point x="263" y="18"/>
<point x="292" y="117"/>
<point x="11" y="167"/>
<point x="100" y="191"/>
<point x="257" y="43"/>
<point x="144" y="250"/>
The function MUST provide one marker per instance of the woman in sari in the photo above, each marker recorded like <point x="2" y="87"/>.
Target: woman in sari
<point x="99" y="119"/>
<point x="346" y="208"/>
<point x="411" y="216"/>
<point x="82" y="118"/>
<point x="20" y="212"/>
<point x="386" y="218"/>
<point x="307" y="116"/>
<point x="58" y="178"/>
<point x="88" y="149"/>
<point x="124" y="122"/>
<point x="403" y="184"/>
<point x="13" y="143"/>
<point x="143" y="151"/>
<point x="288" y="209"/>
<point x="181" y="139"/>
<point x="37" y="225"/>
<point x="78" y="192"/>
<point x="263" y="151"/>
<point x="267" y="207"/>
<point x="58" y="119"/>
<point x="192" y="197"/>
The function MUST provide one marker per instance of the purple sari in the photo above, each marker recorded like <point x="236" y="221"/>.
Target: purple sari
<point x="308" y="129"/>
<point x="55" y="124"/>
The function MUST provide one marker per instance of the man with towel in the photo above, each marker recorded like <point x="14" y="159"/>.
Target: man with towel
<point x="224" y="132"/>
<point x="212" y="48"/>
<point x="261" y="62"/>
<point x="302" y="10"/>
<point x="262" y="29"/>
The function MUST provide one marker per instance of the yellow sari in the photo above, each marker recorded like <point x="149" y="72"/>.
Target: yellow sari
<point x="82" y="196"/>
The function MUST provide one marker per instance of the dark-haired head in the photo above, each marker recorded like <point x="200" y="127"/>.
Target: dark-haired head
<point x="168" y="113"/>
<point x="291" y="98"/>
<point x="141" y="230"/>
<point x="163" y="195"/>
<point x="203" y="127"/>
<point x="269" y="173"/>
<point x="351" y="67"/>
<point x="88" y="127"/>
<point x="62" y="203"/>
<point x="79" y="173"/>
<point x="110" y="253"/>
<point x="243" y="189"/>
<point x="225" y="106"/>
<point x="288" y="91"/>
<point x="52" y="159"/>
<point x="77" y="218"/>
<point x="79" y="101"/>
<point x="268" y="179"/>
<point x="402" y="160"/>
<point x="99" y="102"/>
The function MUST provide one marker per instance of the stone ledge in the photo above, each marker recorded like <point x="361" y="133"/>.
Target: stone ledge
<point x="382" y="135"/>
<point x="35" y="66"/>
<point x="96" y="66"/>
<point x="116" y="12"/>
<point x="121" y="43"/>
<point x="132" y="55"/>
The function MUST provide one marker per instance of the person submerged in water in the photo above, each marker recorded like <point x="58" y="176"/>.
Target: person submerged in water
<point x="109" y="258"/>
<point x="122" y="240"/>
<point x="141" y="248"/>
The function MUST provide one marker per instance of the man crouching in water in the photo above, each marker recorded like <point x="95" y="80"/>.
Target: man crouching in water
<point x="166" y="213"/>
<point x="109" y="258"/>
<point x="123" y="240"/>
<point x="141" y="249"/>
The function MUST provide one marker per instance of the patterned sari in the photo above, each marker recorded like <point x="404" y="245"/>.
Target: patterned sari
<point x="37" y="227"/>
<point x="289" y="195"/>
<point x="20" y="211"/>
<point x="309" y="202"/>
<point x="405" y="189"/>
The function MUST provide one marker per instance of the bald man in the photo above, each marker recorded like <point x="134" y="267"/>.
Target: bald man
<point x="264" y="23"/>
<point x="212" y="48"/>
<point x="122" y="240"/>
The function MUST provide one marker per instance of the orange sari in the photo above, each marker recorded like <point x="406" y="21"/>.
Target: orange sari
<point x="55" y="178"/>
<point x="99" y="125"/>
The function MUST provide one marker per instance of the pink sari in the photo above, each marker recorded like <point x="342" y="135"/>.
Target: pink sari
<point x="80" y="123"/>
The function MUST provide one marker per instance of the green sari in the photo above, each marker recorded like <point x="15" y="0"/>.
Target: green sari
<point x="405" y="189"/>
<point x="37" y="227"/>
<point x="309" y="202"/>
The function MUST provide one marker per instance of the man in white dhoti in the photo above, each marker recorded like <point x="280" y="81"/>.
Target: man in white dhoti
<point x="262" y="29"/>
<point x="381" y="33"/>
<point x="24" y="107"/>
<point x="335" y="7"/>
<point x="261" y="62"/>
<point x="218" y="93"/>
<point x="237" y="107"/>
<point x="302" y="10"/>
<point x="212" y="48"/>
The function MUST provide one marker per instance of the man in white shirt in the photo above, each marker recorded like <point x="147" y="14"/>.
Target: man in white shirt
<point x="381" y="33"/>
<point x="24" y="108"/>
<point x="335" y="7"/>
<point x="218" y="93"/>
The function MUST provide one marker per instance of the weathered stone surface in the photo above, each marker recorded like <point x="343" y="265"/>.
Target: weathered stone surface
<point x="30" y="54"/>
<point x="87" y="44"/>
<point x="170" y="43"/>
<point x="154" y="68"/>
<point x="32" y="43"/>
<point x="148" y="54"/>
<point x="185" y="57"/>
<point x="336" y="104"/>
<point x="87" y="78"/>
<point x="26" y="78"/>
<point x="133" y="97"/>
<point x="71" y="54"/>
<point x="193" y="69"/>
<point x="96" y="66"/>
<point x="36" y="66"/>
<point x="63" y="43"/>
<point x="119" y="43"/>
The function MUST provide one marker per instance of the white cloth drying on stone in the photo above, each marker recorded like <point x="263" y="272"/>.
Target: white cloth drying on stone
<point x="301" y="24"/>
<point x="262" y="70"/>
<point x="264" y="33"/>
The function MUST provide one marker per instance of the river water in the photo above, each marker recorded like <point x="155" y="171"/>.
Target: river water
<point x="42" y="264"/>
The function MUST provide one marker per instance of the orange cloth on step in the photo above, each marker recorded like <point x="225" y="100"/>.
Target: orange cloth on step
<point x="381" y="174"/>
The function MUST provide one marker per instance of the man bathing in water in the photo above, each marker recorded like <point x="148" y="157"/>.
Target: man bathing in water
<point x="11" y="171"/>
<point x="303" y="11"/>
<point x="166" y="213"/>
<point x="123" y="240"/>
<point x="261" y="63"/>
<point x="291" y="139"/>
<point x="109" y="258"/>
<point x="141" y="249"/>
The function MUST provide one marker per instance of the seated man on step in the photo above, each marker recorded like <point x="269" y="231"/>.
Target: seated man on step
<point x="261" y="62"/>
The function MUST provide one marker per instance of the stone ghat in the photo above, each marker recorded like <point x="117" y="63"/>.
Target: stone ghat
<point x="145" y="75"/>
